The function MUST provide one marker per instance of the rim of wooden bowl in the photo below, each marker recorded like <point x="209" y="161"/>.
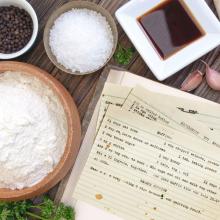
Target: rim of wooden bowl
<point x="73" y="139"/>
<point x="67" y="7"/>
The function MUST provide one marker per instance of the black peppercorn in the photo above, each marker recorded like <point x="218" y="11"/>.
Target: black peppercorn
<point x="16" y="28"/>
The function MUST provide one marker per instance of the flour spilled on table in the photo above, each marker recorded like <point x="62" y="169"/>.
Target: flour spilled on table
<point x="33" y="130"/>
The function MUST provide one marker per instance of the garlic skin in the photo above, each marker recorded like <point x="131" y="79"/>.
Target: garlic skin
<point x="217" y="5"/>
<point x="192" y="81"/>
<point x="212" y="78"/>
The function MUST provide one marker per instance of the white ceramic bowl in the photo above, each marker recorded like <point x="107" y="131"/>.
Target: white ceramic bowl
<point x="27" y="7"/>
<point x="127" y="16"/>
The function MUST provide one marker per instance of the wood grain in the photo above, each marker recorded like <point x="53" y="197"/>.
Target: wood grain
<point x="82" y="88"/>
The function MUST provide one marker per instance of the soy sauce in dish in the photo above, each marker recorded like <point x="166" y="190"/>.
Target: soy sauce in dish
<point x="170" y="26"/>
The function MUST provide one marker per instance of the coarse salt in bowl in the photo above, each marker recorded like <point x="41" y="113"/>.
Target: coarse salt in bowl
<point x="80" y="37"/>
<point x="81" y="40"/>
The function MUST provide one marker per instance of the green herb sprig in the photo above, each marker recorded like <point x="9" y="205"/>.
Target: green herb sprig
<point x="123" y="56"/>
<point x="23" y="210"/>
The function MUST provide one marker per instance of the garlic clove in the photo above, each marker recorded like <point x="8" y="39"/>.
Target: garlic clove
<point x="212" y="77"/>
<point x="217" y="5"/>
<point x="192" y="81"/>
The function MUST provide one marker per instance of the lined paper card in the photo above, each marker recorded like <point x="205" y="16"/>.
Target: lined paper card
<point x="146" y="171"/>
<point x="206" y="113"/>
<point x="164" y="110"/>
<point x="113" y="94"/>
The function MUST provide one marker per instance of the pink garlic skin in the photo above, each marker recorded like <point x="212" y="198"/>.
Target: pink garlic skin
<point x="192" y="81"/>
<point x="217" y="5"/>
<point x="213" y="78"/>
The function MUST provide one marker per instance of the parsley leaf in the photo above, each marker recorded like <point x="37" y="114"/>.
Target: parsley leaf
<point x="123" y="56"/>
<point x="64" y="212"/>
<point x="5" y="214"/>
<point x="47" y="210"/>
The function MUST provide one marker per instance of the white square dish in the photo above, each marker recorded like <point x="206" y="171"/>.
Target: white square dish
<point x="127" y="16"/>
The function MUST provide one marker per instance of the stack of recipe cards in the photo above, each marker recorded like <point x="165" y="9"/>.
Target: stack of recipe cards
<point x="150" y="153"/>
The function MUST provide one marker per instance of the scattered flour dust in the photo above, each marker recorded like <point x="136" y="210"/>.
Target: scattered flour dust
<point x="81" y="40"/>
<point x="33" y="130"/>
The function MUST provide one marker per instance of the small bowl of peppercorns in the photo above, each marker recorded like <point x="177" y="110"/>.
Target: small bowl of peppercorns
<point x="18" y="28"/>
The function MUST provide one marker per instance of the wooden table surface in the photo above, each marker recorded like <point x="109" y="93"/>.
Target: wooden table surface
<point x="82" y="87"/>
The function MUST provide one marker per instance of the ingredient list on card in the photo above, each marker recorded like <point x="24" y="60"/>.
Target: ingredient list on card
<point x="140" y="170"/>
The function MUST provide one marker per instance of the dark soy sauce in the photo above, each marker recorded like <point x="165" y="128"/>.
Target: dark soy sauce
<point x="171" y="27"/>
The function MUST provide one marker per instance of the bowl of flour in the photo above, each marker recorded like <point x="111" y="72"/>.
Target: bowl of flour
<point x="39" y="131"/>
<point x="80" y="37"/>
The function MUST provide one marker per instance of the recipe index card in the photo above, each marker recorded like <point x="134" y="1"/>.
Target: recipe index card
<point x="113" y="94"/>
<point x="207" y="113"/>
<point x="159" y="108"/>
<point x="143" y="171"/>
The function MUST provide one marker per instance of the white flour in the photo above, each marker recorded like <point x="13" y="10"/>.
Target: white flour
<point x="33" y="130"/>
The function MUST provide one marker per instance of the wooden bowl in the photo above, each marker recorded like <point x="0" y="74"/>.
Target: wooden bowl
<point x="67" y="7"/>
<point x="73" y="140"/>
